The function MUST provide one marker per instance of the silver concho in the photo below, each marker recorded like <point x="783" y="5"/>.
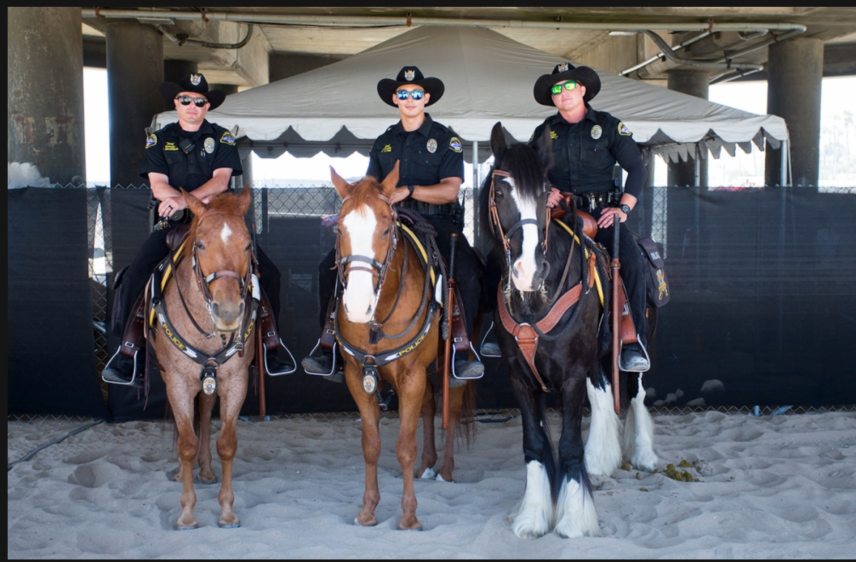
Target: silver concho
<point x="596" y="132"/>
<point x="209" y="145"/>
<point x="409" y="75"/>
<point x="195" y="79"/>
<point x="432" y="146"/>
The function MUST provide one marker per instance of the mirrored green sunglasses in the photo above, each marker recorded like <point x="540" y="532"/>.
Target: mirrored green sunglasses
<point x="569" y="85"/>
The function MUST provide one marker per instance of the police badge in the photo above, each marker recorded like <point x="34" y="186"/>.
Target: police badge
<point x="209" y="145"/>
<point x="563" y="67"/>
<point x="195" y="79"/>
<point x="409" y="74"/>
<point x="432" y="146"/>
<point x="596" y="132"/>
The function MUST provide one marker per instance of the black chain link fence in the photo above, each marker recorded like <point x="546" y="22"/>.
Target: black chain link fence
<point x="286" y="220"/>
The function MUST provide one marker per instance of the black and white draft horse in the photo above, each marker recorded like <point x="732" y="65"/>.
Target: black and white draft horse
<point x="551" y="301"/>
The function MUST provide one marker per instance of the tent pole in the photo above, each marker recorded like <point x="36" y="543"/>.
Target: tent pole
<point x="783" y="173"/>
<point x="474" y="203"/>
<point x="697" y="168"/>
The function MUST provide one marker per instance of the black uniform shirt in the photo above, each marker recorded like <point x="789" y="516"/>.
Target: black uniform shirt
<point x="214" y="147"/>
<point x="585" y="153"/>
<point x="428" y="154"/>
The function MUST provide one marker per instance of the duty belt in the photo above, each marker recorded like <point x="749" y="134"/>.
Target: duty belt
<point x="593" y="199"/>
<point x="427" y="208"/>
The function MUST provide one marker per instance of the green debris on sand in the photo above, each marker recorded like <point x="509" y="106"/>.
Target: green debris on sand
<point x="625" y="466"/>
<point x="681" y="475"/>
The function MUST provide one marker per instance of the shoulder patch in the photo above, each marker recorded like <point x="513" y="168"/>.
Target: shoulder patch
<point x="386" y="148"/>
<point x="151" y="140"/>
<point x="531" y="137"/>
<point x="553" y="134"/>
<point x="623" y="130"/>
<point x="455" y="144"/>
<point x="228" y="138"/>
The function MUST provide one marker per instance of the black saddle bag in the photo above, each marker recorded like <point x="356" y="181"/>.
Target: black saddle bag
<point x="657" y="287"/>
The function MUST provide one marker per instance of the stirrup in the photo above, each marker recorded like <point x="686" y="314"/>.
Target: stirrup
<point x="332" y="371"/>
<point x="452" y="366"/>
<point x="133" y="374"/>
<point x="644" y="352"/>
<point x="484" y="338"/>
<point x="293" y="362"/>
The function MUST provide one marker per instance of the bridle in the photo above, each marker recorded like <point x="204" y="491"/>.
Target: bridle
<point x="345" y="265"/>
<point x="496" y="227"/>
<point x="203" y="281"/>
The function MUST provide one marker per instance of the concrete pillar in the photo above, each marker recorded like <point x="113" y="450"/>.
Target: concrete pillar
<point x="795" y="70"/>
<point x="45" y="93"/>
<point x="695" y="83"/>
<point x="134" y="72"/>
<point x="286" y="65"/>
<point x="228" y="88"/>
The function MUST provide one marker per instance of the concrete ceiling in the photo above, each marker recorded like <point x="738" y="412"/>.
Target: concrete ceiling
<point x="835" y="26"/>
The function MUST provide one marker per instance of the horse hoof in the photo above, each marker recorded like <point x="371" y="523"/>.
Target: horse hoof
<point x="370" y="523"/>
<point x="199" y="480"/>
<point x="234" y="525"/>
<point x="187" y="527"/>
<point x="441" y="479"/>
<point x="412" y="526"/>
<point x="428" y="474"/>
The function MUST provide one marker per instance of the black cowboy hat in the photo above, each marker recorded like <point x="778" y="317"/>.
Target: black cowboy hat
<point x="191" y="83"/>
<point x="410" y="75"/>
<point x="566" y="71"/>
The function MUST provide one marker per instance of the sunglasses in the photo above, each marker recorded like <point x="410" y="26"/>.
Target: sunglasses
<point x="415" y="94"/>
<point x="185" y="100"/>
<point x="569" y="85"/>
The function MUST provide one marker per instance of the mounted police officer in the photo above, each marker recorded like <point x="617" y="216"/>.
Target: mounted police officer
<point x="586" y="145"/>
<point x="431" y="171"/>
<point x="200" y="157"/>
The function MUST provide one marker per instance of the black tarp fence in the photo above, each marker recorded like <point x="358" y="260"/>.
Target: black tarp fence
<point x="762" y="309"/>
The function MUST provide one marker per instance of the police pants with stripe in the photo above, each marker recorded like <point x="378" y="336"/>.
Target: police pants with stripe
<point x="632" y="272"/>
<point x="468" y="273"/>
<point x="153" y="251"/>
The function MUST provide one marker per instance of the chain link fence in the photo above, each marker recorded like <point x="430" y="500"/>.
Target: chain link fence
<point x="274" y="206"/>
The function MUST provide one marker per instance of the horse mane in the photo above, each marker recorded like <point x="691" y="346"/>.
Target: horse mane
<point x="226" y="202"/>
<point x="367" y="191"/>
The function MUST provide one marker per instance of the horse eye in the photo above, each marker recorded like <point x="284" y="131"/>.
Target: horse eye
<point x="386" y="232"/>
<point x="199" y="245"/>
<point x="498" y="194"/>
<point x="247" y="249"/>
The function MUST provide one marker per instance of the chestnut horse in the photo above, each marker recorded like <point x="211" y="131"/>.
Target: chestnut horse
<point x="205" y="342"/>
<point x="373" y="258"/>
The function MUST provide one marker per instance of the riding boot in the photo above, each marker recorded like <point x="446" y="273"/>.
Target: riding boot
<point x="322" y="364"/>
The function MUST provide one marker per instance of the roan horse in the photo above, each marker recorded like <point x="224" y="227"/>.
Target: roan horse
<point x="373" y="257"/>
<point x="205" y="342"/>
<point x="548" y="332"/>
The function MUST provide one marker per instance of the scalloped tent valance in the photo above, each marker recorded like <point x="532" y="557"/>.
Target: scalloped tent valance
<point x="488" y="78"/>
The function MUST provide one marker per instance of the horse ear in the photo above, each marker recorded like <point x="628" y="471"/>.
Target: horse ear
<point x="388" y="184"/>
<point x="196" y="206"/>
<point x="544" y="147"/>
<point x="497" y="141"/>
<point x="339" y="182"/>
<point x="244" y="198"/>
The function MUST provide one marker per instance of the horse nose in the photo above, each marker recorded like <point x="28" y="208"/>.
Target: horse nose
<point x="226" y="314"/>
<point x="544" y="270"/>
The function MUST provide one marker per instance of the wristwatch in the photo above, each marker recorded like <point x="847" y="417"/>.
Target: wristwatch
<point x="625" y="208"/>
<point x="410" y="188"/>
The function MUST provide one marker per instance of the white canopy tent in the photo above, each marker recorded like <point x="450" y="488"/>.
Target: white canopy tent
<point x="488" y="78"/>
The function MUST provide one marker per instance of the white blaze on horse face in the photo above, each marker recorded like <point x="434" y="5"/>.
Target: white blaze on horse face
<point x="525" y="267"/>
<point x="359" y="296"/>
<point x="225" y="233"/>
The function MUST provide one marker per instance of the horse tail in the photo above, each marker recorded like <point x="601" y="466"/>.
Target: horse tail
<point x="467" y="423"/>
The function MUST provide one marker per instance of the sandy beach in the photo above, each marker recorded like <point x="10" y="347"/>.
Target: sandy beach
<point x="768" y="487"/>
